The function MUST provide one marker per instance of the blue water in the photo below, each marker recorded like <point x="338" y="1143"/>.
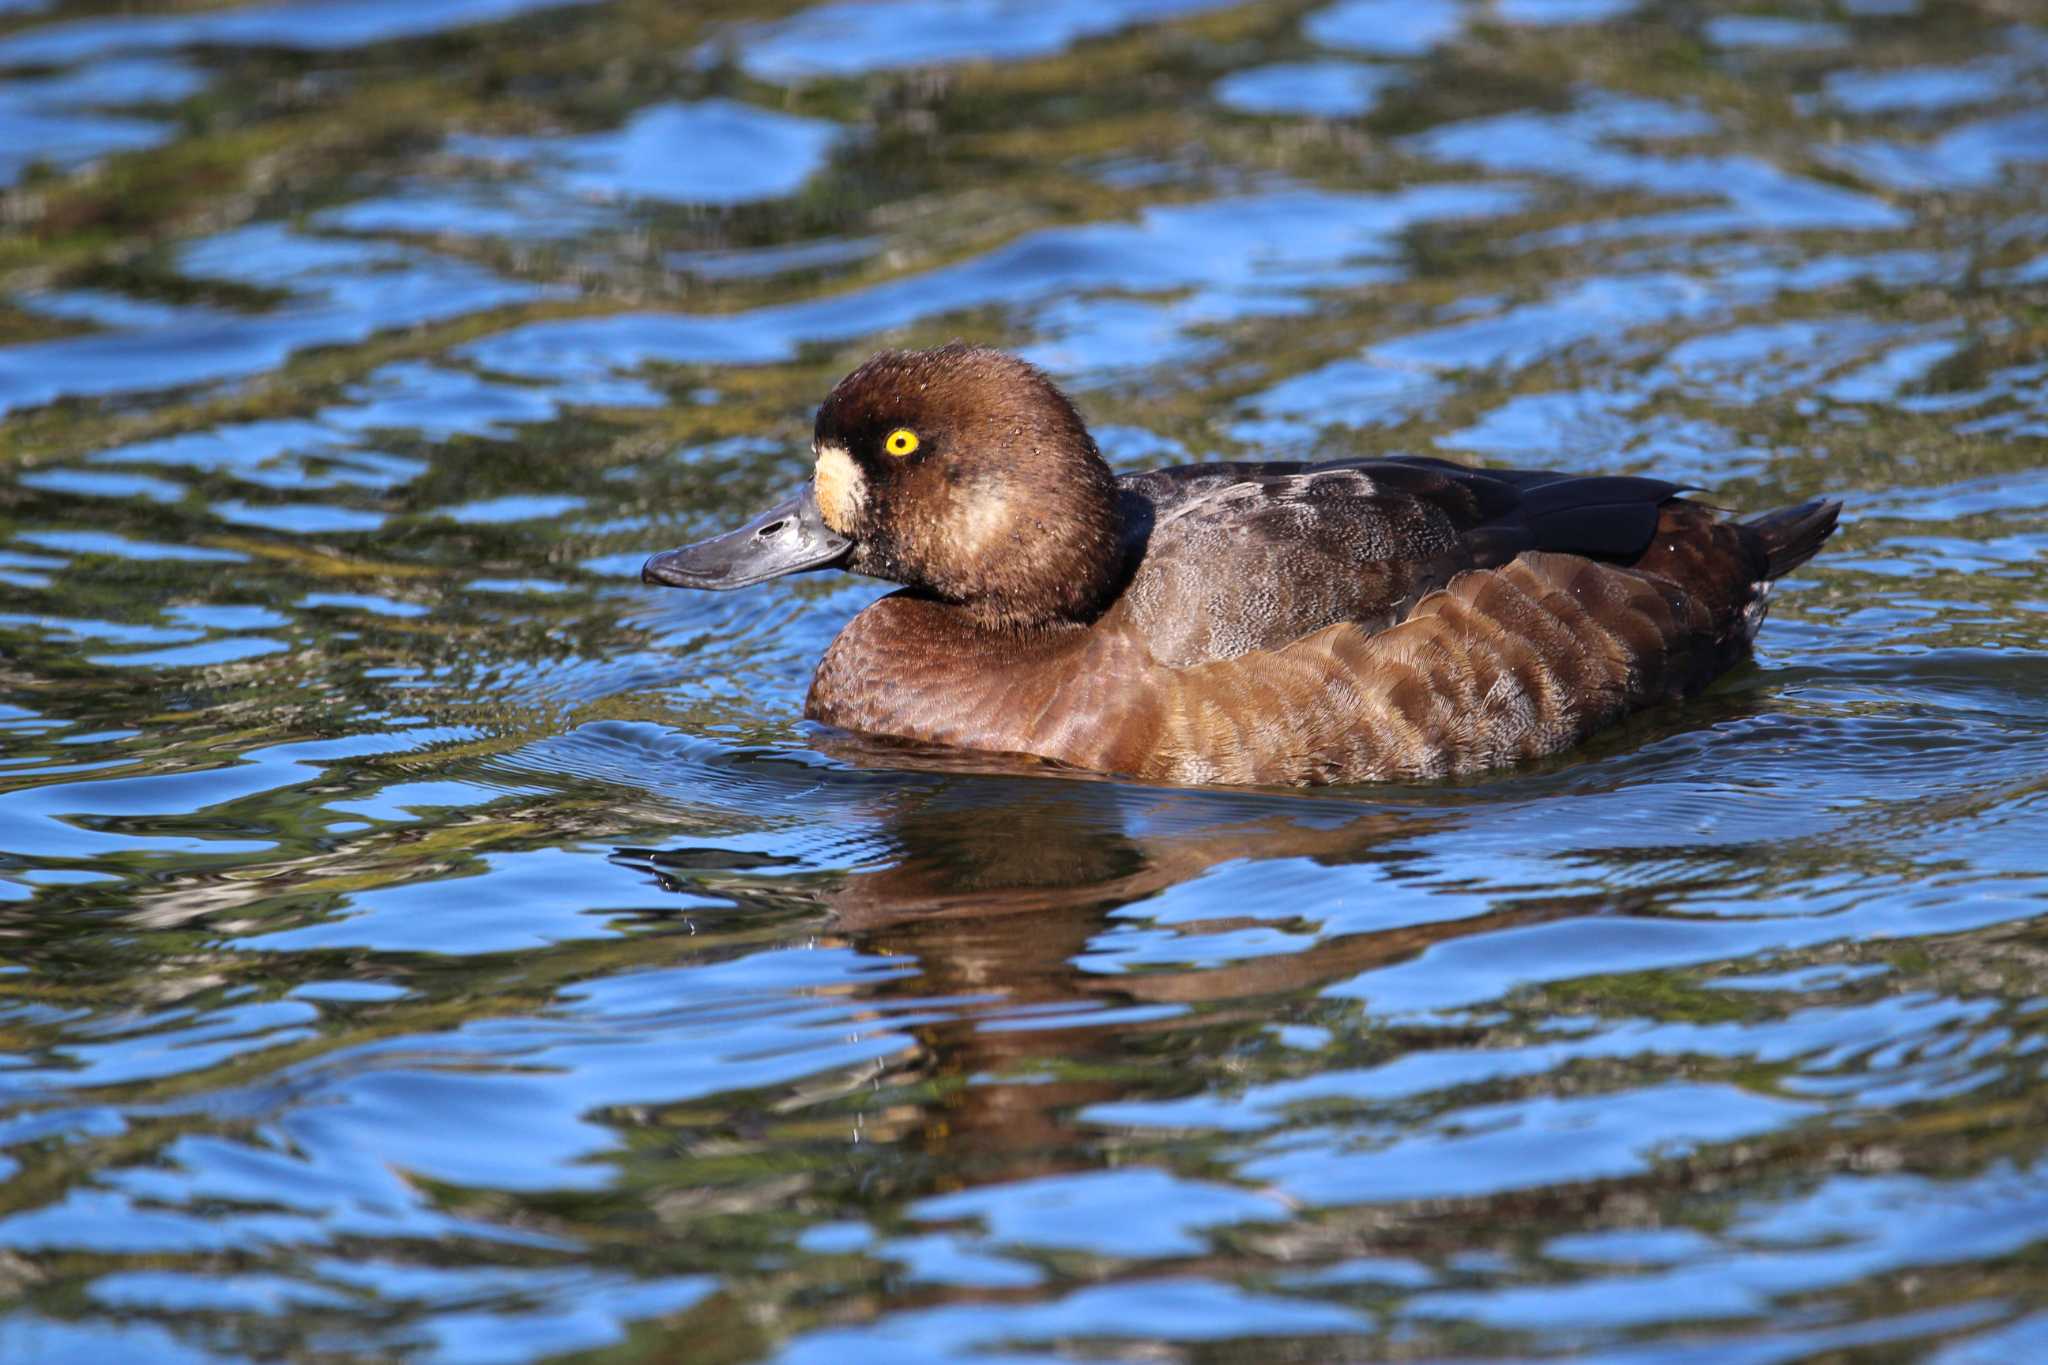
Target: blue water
<point x="422" y="941"/>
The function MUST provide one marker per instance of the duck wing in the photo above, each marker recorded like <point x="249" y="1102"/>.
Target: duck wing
<point x="1234" y="558"/>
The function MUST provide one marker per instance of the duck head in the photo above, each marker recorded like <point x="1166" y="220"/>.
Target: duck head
<point x="962" y="473"/>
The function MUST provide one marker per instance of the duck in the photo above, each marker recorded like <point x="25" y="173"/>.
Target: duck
<point x="1267" y="623"/>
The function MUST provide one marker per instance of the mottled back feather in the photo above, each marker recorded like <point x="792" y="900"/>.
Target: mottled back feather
<point x="1232" y="559"/>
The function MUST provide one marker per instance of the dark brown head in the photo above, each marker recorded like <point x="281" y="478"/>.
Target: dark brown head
<point x="960" y="472"/>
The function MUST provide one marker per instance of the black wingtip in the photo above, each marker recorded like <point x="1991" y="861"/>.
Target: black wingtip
<point x="1608" y="516"/>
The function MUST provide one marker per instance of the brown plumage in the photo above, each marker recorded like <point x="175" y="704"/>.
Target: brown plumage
<point x="1243" y="623"/>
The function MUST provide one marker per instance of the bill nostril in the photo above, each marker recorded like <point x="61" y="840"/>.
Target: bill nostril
<point x="773" y="528"/>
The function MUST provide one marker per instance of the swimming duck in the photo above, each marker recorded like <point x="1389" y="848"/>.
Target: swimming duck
<point x="1236" y="623"/>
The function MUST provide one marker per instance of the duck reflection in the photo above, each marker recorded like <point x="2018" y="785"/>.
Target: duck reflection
<point x="1002" y="891"/>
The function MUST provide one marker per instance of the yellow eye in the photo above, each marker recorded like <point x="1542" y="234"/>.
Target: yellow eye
<point x="901" y="442"/>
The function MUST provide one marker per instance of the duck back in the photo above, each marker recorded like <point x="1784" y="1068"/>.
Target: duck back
<point x="1232" y="559"/>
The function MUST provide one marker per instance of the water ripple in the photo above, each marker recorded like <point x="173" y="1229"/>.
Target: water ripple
<point x="424" y="941"/>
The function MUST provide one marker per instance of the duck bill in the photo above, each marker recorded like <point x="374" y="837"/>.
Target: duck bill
<point x="789" y="537"/>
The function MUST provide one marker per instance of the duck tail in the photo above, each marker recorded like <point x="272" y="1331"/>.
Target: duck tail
<point x="1790" y="536"/>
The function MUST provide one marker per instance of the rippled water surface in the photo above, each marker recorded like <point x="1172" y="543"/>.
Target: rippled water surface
<point x="424" y="941"/>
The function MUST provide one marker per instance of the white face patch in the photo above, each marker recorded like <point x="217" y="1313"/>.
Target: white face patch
<point x="841" y="489"/>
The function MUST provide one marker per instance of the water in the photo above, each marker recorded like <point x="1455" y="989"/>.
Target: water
<point x="423" y="941"/>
